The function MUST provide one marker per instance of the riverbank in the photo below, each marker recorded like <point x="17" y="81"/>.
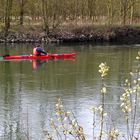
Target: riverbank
<point x="70" y="34"/>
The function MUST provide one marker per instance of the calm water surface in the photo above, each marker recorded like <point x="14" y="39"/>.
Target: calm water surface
<point x="29" y="90"/>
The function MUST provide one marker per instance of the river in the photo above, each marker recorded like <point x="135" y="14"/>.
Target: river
<point x="28" y="93"/>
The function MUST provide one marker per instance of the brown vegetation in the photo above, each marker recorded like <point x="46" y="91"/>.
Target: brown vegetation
<point x="84" y="20"/>
<point x="85" y="33"/>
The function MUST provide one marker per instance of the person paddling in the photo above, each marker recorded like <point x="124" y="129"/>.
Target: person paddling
<point x="38" y="51"/>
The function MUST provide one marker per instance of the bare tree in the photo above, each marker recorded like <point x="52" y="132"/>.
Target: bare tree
<point x="45" y="15"/>
<point x="8" y="9"/>
<point x="132" y="9"/>
<point x="22" y="3"/>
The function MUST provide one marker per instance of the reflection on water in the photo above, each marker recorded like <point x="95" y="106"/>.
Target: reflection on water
<point x="29" y="89"/>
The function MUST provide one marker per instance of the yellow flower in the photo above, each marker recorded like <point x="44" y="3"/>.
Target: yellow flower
<point x="103" y="69"/>
<point x="103" y="90"/>
<point x="137" y="57"/>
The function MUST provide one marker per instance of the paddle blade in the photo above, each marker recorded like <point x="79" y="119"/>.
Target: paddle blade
<point x="1" y="58"/>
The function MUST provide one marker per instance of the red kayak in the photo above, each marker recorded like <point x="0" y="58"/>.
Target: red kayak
<point x="48" y="56"/>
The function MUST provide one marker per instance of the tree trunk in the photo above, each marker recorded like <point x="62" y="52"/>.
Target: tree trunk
<point x="132" y="11"/>
<point x="110" y="12"/>
<point x="45" y="18"/>
<point x="7" y="21"/>
<point x="21" y="11"/>
<point x="123" y="9"/>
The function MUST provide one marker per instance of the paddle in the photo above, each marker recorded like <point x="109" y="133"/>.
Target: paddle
<point x="5" y="55"/>
<point x="2" y="57"/>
